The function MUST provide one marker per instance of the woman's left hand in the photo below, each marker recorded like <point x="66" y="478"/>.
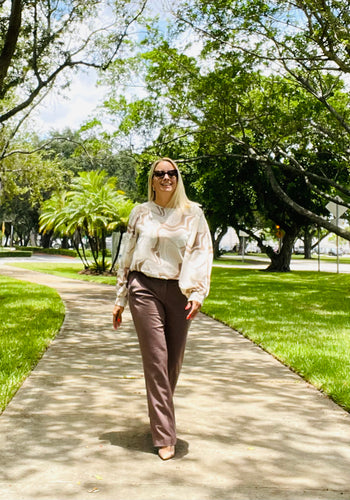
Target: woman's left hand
<point x="193" y="306"/>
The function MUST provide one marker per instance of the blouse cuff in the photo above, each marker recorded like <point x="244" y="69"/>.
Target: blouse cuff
<point x="198" y="297"/>
<point x="121" y="301"/>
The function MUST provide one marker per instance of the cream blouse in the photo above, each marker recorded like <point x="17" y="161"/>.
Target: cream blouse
<point x="167" y="243"/>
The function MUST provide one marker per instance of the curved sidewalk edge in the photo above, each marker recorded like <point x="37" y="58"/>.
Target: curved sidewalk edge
<point x="249" y="428"/>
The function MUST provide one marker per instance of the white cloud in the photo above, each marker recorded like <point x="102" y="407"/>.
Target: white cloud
<point x="72" y="106"/>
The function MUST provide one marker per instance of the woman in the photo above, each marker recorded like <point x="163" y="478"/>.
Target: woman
<point x="165" y="274"/>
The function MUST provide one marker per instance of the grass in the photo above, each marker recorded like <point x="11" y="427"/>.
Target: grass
<point x="302" y="318"/>
<point x="69" y="270"/>
<point x="30" y="317"/>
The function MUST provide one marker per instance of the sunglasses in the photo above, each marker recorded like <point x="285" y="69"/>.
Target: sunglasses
<point x="162" y="173"/>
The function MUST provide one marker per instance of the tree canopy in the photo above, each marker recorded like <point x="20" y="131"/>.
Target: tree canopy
<point x="42" y="45"/>
<point x="262" y="96"/>
<point x="89" y="210"/>
<point x="250" y="96"/>
<point x="40" y="40"/>
<point x="307" y="42"/>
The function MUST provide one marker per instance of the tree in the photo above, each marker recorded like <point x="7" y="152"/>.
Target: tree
<point x="309" y="43"/>
<point x="89" y="210"/>
<point x="41" y="44"/>
<point x="40" y="40"/>
<point x="293" y="128"/>
<point x="26" y="182"/>
<point x="52" y="220"/>
<point x="23" y="218"/>
<point x="89" y="148"/>
<point x="218" y="119"/>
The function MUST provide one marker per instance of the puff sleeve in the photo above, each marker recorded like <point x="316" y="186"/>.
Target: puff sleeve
<point x="194" y="280"/>
<point x="129" y="244"/>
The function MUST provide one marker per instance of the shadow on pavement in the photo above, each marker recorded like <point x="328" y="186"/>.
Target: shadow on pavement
<point x="248" y="427"/>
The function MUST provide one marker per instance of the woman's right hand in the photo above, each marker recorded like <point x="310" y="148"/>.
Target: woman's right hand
<point x="117" y="316"/>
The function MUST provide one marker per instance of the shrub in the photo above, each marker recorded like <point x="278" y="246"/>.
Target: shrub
<point x="15" y="253"/>
<point x="51" y="251"/>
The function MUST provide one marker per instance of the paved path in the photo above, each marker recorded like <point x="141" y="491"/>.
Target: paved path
<point x="249" y="429"/>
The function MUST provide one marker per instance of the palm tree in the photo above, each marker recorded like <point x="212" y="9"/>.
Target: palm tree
<point x="55" y="217"/>
<point x="92" y="208"/>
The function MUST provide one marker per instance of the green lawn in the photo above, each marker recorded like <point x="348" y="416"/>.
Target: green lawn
<point x="69" y="270"/>
<point x="302" y="318"/>
<point x="30" y="316"/>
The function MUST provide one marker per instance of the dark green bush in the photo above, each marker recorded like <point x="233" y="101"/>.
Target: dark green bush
<point x="16" y="253"/>
<point x="51" y="251"/>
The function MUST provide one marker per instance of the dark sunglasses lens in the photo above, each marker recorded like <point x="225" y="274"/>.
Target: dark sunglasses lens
<point x="162" y="173"/>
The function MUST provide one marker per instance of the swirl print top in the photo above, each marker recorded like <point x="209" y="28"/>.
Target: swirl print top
<point x="167" y="243"/>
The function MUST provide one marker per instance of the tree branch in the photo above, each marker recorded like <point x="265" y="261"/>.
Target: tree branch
<point x="45" y="81"/>
<point x="320" y="221"/>
<point x="46" y="144"/>
<point x="11" y="38"/>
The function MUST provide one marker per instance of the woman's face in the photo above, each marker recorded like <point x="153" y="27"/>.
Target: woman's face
<point x="164" y="185"/>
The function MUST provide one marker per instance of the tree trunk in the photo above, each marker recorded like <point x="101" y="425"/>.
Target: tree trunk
<point x="94" y="248"/>
<point x="307" y="243"/>
<point x="10" y="41"/>
<point x="117" y="251"/>
<point x="103" y="250"/>
<point x="77" y="241"/>
<point x="65" y="242"/>
<point x="280" y="262"/>
<point x="216" y="241"/>
<point x="46" y="239"/>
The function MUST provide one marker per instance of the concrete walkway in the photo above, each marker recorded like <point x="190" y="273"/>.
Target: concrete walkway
<point x="248" y="427"/>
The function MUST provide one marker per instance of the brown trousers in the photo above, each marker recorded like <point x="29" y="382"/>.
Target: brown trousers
<point x="158" y="310"/>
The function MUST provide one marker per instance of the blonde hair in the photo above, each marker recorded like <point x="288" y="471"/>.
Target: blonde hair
<point x="179" y="198"/>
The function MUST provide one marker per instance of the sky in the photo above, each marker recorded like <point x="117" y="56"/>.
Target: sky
<point x="72" y="107"/>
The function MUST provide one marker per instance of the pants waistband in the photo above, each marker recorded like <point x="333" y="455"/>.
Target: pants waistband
<point x="152" y="277"/>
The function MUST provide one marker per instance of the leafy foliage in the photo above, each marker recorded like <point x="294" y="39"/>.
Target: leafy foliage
<point x="90" y="210"/>
<point x="260" y="115"/>
<point x="41" y="40"/>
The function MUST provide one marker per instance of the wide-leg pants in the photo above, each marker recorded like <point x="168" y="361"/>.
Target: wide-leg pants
<point x="158" y="310"/>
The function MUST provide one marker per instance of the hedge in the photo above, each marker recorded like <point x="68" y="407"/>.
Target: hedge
<point x="16" y="253"/>
<point x="54" y="251"/>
